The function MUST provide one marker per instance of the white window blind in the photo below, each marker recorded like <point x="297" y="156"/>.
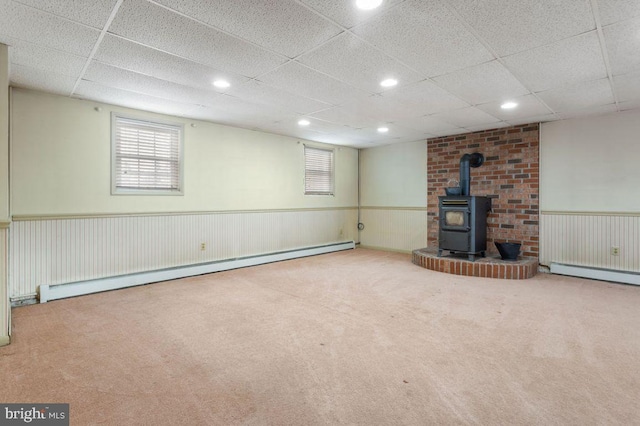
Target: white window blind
<point x="318" y="171"/>
<point x="147" y="156"/>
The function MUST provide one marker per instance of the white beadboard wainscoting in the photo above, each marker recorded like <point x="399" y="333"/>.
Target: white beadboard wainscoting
<point x="5" y="323"/>
<point x="586" y="239"/>
<point x="394" y="228"/>
<point x="52" y="251"/>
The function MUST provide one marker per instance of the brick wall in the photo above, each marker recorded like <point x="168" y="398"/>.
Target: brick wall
<point x="509" y="175"/>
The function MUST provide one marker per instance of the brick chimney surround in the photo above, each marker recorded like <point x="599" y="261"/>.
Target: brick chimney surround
<point x="509" y="175"/>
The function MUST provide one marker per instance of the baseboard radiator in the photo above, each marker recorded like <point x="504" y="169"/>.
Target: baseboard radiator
<point x="62" y="291"/>
<point x="596" y="273"/>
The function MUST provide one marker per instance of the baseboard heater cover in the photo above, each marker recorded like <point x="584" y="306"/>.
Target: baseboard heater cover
<point x="62" y="291"/>
<point x="596" y="273"/>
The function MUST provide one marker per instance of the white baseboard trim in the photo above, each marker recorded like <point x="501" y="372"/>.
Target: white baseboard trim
<point x="61" y="291"/>
<point x="32" y="300"/>
<point x="5" y="340"/>
<point x="596" y="273"/>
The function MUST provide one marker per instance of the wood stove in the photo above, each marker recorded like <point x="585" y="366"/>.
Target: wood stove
<point x="463" y="217"/>
<point x="463" y="225"/>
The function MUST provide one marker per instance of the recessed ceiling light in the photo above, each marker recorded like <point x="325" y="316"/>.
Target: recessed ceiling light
<point x="368" y="4"/>
<point x="304" y="122"/>
<point x="389" y="82"/>
<point x="508" y="105"/>
<point x="221" y="84"/>
<point x="383" y="129"/>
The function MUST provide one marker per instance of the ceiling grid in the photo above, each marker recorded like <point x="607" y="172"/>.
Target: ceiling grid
<point x="456" y="61"/>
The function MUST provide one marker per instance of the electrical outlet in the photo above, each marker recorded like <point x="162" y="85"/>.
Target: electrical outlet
<point x="615" y="251"/>
<point x="203" y="246"/>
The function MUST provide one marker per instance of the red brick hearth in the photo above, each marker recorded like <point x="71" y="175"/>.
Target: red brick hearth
<point x="489" y="267"/>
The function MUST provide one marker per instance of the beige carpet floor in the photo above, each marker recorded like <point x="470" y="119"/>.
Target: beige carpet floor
<point x="357" y="337"/>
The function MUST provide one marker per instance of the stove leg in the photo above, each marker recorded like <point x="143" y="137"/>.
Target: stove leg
<point x="472" y="257"/>
<point x="483" y="254"/>
<point x="439" y="252"/>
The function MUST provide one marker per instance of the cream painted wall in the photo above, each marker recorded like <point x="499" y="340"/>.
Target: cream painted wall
<point x="394" y="175"/>
<point x="4" y="133"/>
<point x="591" y="164"/>
<point x="5" y="311"/>
<point x="61" y="164"/>
<point x="393" y="196"/>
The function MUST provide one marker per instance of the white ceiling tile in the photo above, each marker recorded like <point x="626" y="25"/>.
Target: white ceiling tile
<point x="280" y="25"/>
<point x="370" y="111"/>
<point x="241" y="107"/>
<point x="347" y="143"/>
<point x="107" y="75"/>
<point x="358" y="137"/>
<point x="94" y="13"/>
<point x="364" y="145"/>
<point x="304" y="133"/>
<point x="317" y="131"/>
<point x="240" y="113"/>
<point x="577" y="97"/>
<point x="424" y="98"/>
<point x="385" y="108"/>
<point x="514" y="26"/>
<point x="315" y="125"/>
<point x="297" y="78"/>
<point x="590" y="111"/>
<point x="289" y="126"/>
<point x="485" y="127"/>
<point x="97" y="92"/>
<point x="132" y="56"/>
<point x="623" y="46"/>
<point x="37" y="79"/>
<point x="348" y="115"/>
<point x="261" y="93"/>
<point x="160" y="28"/>
<point x="403" y="139"/>
<point x="44" y="58"/>
<point x="528" y="106"/>
<point x="220" y="116"/>
<point x="345" y="13"/>
<point x="334" y="139"/>
<point x="355" y="62"/>
<point x="395" y="134"/>
<point x="558" y="64"/>
<point x="32" y="25"/>
<point x="612" y="11"/>
<point x="457" y="131"/>
<point x="627" y="87"/>
<point x="625" y="106"/>
<point x="430" y="124"/>
<point x="482" y="83"/>
<point x="466" y="117"/>
<point x="426" y="36"/>
<point x="534" y="119"/>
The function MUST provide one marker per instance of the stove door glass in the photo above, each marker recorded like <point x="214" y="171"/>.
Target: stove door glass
<point x="454" y="218"/>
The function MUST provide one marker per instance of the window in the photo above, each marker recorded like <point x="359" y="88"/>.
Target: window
<point x="318" y="171"/>
<point x="146" y="157"/>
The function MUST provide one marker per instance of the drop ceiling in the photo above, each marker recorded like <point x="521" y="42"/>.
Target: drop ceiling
<point x="456" y="61"/>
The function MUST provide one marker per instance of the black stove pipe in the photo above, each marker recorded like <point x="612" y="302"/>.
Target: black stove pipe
<point x="466" y="161"/>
